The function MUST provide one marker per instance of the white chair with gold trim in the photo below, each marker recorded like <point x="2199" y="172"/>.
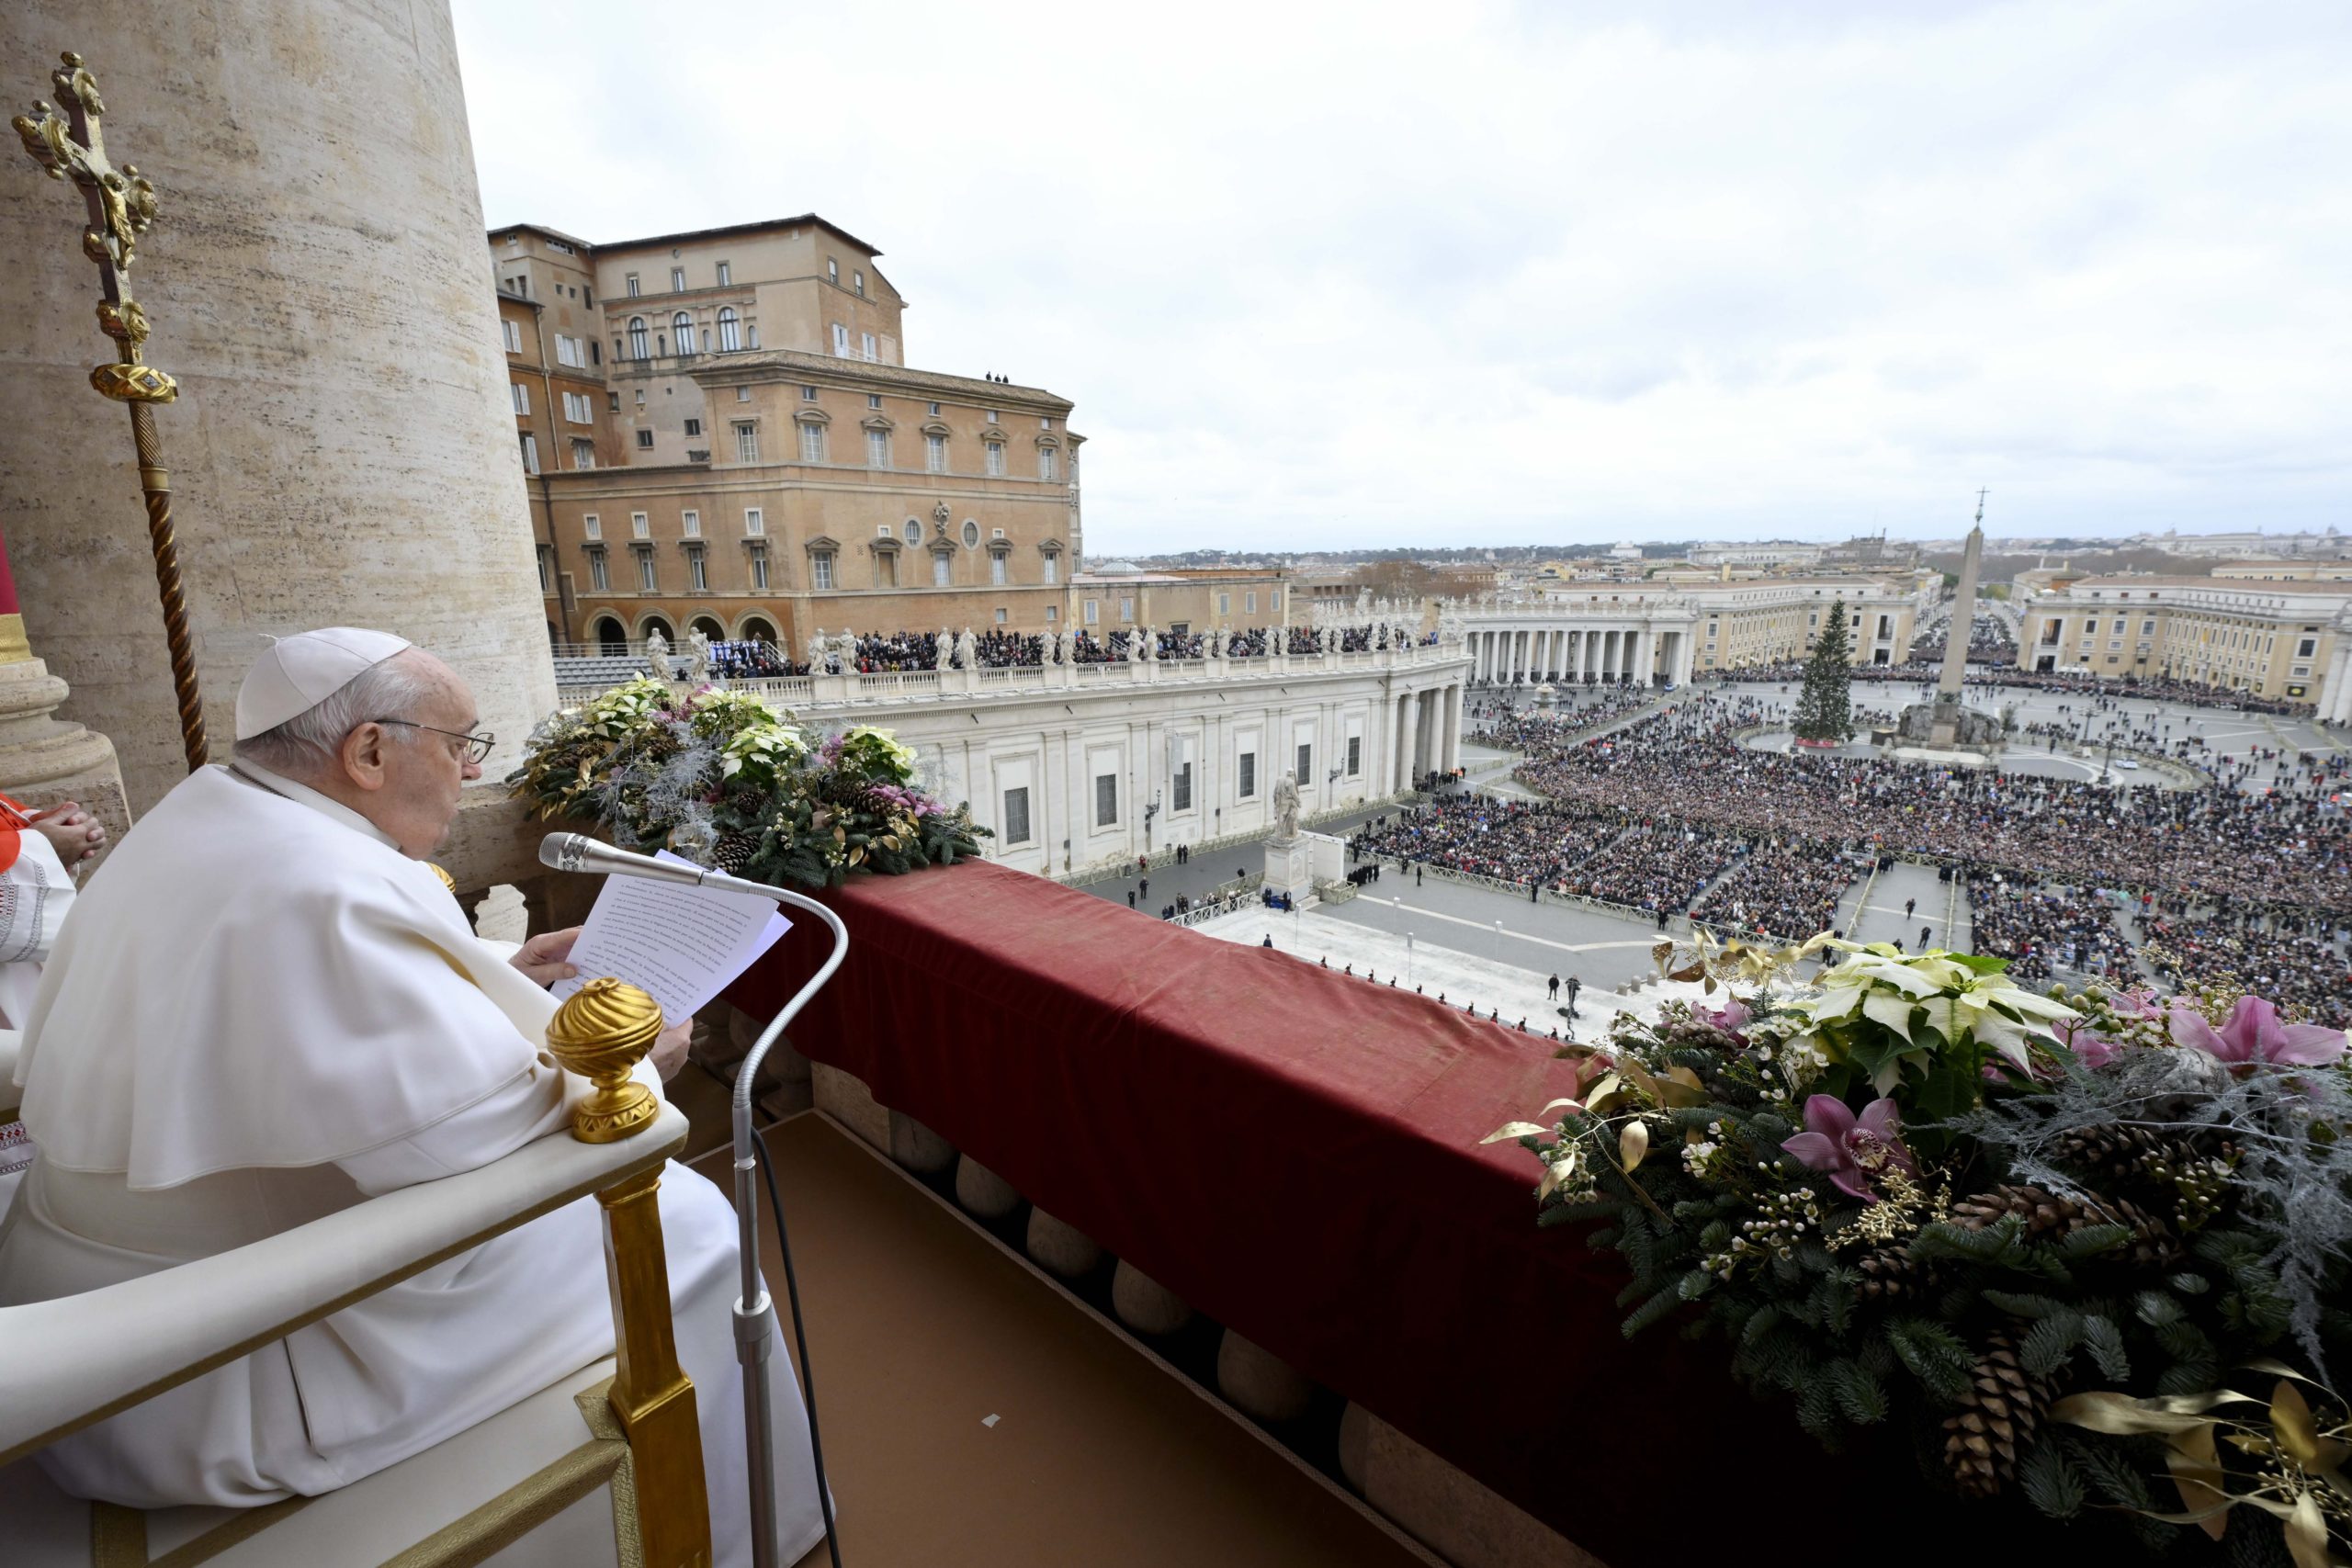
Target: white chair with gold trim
<point x="604" y="1466"/>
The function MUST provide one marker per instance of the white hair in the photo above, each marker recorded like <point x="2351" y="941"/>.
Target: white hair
<point x="307" y="744"/>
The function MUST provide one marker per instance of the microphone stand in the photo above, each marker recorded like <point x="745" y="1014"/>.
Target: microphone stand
<point x="755" y="1326"/>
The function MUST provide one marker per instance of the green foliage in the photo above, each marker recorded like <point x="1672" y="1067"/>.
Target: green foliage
<point x="1880" y="1317"/>
<point x="722" y="776"/>
<point x="1824" y="708"/>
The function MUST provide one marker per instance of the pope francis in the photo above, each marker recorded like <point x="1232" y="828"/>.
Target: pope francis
<point x="266" y="1007"/>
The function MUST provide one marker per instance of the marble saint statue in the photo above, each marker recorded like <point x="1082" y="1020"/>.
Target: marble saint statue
<point x="1286" y="807"/>
<point x="202" y="1071"/>
<point x="697" y="654"/>
<point x="943" y="652"/>
<point x="968" y="649"/>
<point x="817" y="653"/>
<point x="657" y="653"/>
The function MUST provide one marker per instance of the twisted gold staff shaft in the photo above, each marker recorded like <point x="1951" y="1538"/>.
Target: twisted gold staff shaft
<point x="71" y="144"/>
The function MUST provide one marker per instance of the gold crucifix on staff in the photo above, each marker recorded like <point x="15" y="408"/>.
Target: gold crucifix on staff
<point x="69" y="143"/>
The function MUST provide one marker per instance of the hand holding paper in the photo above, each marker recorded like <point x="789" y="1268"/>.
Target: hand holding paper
<point x="681" y="945"/>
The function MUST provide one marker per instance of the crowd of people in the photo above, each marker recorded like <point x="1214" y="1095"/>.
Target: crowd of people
<point x="907" y="652"/>
<point x="2041" y="931"/>
<point x="2151" y="688"/>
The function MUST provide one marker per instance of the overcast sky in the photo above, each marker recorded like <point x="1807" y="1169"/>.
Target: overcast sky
<point x="1371" y="274"/>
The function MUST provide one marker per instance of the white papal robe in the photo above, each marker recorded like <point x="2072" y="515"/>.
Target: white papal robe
<point x="262" y="1011"/>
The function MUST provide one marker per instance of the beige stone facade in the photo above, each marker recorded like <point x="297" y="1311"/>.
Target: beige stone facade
<point x="759" y="461"/>
<point x="338" y="452"/>
<point x="2270" y="639"/>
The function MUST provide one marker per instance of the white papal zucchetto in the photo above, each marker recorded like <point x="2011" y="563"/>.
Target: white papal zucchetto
<point x="294" y="674"/>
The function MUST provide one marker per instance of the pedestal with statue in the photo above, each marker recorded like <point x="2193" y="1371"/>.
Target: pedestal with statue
<point x="1290" y="854"/>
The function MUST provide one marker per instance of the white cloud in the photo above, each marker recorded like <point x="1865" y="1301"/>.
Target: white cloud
<point x="1322" y="275"/>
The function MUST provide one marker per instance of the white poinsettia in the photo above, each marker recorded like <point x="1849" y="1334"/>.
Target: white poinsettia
<point x="1902" y="992"/>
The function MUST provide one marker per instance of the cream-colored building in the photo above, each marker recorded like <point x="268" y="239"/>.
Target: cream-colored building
<point x="2271" y="639"/>
<point x="727" y="437"/>
<point x="2287" y="571"/>
<point x="1668" y="632"/>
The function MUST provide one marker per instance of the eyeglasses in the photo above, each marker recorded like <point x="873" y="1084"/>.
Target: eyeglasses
<point x="477" y="746"/>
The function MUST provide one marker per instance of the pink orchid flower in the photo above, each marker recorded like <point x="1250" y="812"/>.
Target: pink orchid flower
<point x="1851" y="1150"/>
<point x="1730" y="1017"/>
<point x="2254" y="1032"/>
<point x="2090" y="1050"/>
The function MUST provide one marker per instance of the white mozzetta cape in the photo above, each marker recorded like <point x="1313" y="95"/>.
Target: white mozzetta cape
<point x="260" y="1012"/>
<point x="249" y="983"/>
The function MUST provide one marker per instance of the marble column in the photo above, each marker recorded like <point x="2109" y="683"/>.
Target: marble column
<point x="343" y="450"/>
<point x="1646" y="657"/>
<point x="1412" y="740"/>
<point x="1576" y="656"/>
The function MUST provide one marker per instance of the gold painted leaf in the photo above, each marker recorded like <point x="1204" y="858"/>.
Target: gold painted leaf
<point x="1514" y="1130"/>
<point x="2197" y="1472"/>
<point x="1632" y="1143"/>
<point x="2307" y="1534"/>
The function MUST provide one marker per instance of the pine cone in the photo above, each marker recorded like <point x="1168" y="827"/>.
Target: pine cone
<point x="1996" y="1420"/>
<point x="1889" y="1273"/>
<point x="733" y="852"/>
<point x="2046" y="1216"/>
<point x="2049" y="1217"/>
<point x="2123" y="1155"/>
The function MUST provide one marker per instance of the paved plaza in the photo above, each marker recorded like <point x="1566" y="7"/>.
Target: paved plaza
<point x="1482" y="939"/>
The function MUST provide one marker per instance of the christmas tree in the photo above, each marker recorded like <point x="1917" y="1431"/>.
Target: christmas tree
<point x="1826" y="708"/>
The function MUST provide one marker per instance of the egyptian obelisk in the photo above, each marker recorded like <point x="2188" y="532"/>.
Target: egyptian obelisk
<point x="1945" y="731"/>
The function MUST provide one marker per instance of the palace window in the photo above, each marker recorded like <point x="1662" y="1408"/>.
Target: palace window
<point x="878" y="448"/>
<point x="681" y="332"/>
<point x="1180" y="788"/>
<point x="820" y="568"/>
<point x="747" y="442"/>
<point x="934" y="453"/>
<point x="693" y="427"/>
<point x="592" y="526"/>
<point x="1106" y="800"/>
<point x="522" y="397"/>
<point x="1127" y="611"/>
<point x="632" y="288"/>
<point x="857" y="281"/>
<point x="1044" y="462"/>
<point x="1245" y="781"/>
<point x="755" y="522"/>
<point x="598" y="576"/>
<point x="832" y="270"/>
<point x="584" y="452"/>
<point x="611" y="403"/>
<point x="646" y="581"/>
<point x="546" y="570"/>
<point x="697" y="573"/>
<point x="971" y="535"/>
<point x="1305" y="767"/>
<point x="996" y="459"/>
<point x="841" y="341"/>
<point x="514" y="332"/>
<point x="1355" y="755"/>
<point x="690" y="523"/>
<point x="677" y="280"/>
<point x="760" y="571"/>
<point x="812" y="442"/>
<point x="996" y="569"/>
<point x="638" y="526"/>
<point x="1053" y="568"/>
<point x="725" y="274"/>
<point x="730" y="336"/>
<point x="941" y="569"/>
<point x="866" y="345"/>
<point x="530" y="453"/>
<point x="645" y="440"/>
<point x="1093" y="611"/>
<point x="1016" y="815"/>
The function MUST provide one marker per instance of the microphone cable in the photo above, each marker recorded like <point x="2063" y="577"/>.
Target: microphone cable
<point x="800" y="1345"/>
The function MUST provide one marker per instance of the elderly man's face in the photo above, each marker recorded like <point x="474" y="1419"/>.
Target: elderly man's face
<point x="408" y="775"/>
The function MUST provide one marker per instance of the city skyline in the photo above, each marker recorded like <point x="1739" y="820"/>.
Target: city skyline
<point x="1356" y="286"/>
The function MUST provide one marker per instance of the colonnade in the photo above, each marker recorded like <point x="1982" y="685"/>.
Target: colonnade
<point x="1640" y="653"/>
<point x="1425" y="730"/>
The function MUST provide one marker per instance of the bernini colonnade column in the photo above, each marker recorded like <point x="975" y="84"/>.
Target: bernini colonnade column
<point x="341" y="450"/>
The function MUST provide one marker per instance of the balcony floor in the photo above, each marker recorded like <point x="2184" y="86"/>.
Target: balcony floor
<point x="922" y="1325"/>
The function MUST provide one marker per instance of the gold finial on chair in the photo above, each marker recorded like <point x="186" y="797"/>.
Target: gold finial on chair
<point x="601" y="1033"/>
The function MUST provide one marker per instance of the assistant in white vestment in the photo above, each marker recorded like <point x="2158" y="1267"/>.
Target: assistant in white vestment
<point x="262" y="1011"/>
<point x="35" y="890"/>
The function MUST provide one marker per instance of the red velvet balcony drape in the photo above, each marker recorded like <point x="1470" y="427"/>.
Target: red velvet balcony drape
<point x="1295" y="1153"/>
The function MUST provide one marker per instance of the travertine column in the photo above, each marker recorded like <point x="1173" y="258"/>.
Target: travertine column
<point x="342" y="450"/>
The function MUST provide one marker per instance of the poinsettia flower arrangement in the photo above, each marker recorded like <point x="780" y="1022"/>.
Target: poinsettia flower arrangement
<point x="725" y="779"/>
<point x="2030" y="1228"/>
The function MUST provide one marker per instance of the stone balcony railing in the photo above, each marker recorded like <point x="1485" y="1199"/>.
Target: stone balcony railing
<point x="955" y="686"/>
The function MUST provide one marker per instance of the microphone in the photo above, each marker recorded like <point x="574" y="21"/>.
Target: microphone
<point x="577" y="851"/>
<point x="754" y="1311"/>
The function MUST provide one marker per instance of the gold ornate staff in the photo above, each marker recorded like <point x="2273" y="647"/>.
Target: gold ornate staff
<point x="69" y="144"/>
